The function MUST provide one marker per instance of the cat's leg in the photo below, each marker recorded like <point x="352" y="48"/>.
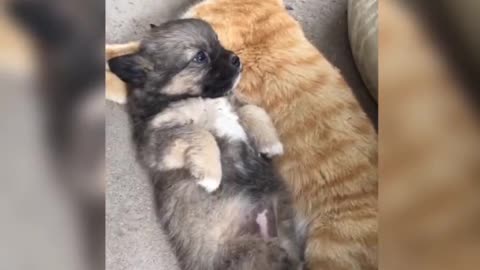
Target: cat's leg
<point x="115" y="50"/>
<point x="253" y="253"/>
<point x="116" y="89"/>
<point x="260" y="129"/>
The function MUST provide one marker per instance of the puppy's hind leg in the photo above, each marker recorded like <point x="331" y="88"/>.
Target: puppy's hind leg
<point x="253" y="253"/>
<point x="291" y="230"/>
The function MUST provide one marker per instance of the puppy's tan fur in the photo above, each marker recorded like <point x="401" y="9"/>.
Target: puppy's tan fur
<point x="184" y="83"/>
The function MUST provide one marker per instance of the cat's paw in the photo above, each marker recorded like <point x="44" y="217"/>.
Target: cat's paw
<point x="271" y="150"/>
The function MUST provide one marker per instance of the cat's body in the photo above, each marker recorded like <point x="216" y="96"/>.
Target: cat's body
<point x="330" y="160"/>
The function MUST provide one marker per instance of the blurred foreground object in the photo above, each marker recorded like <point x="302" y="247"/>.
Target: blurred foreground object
<point x="429" y="151"/>
<point x="16" y="54"/>
<point x="52" y="69"/>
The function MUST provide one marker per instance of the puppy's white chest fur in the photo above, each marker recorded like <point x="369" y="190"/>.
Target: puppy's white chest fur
<point x="216" y="115"/>
<point x="223" y="120"/>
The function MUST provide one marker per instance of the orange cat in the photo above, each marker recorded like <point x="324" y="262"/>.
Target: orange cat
<point x="330" y="160"/>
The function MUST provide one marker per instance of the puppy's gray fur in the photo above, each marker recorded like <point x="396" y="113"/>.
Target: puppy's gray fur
<point x="176" y="104"/>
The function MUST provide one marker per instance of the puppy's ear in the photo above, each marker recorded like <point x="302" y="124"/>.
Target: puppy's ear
<point x="152" y="26"/>
<point x="131" y="68"/>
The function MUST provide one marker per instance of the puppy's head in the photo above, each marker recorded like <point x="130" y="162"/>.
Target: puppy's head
<point x="180" y="58"/>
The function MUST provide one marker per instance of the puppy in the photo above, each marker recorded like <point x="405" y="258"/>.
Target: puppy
<point x="185" y="128"/>
<point x="197" y="150"/>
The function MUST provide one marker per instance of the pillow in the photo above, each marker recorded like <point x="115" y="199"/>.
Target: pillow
<point x="363" y="30"/>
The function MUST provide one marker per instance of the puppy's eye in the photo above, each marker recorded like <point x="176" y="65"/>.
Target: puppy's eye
<point x="201" y="58"/>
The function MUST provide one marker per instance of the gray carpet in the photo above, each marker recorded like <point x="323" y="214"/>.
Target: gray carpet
<point x="134" y="239"/>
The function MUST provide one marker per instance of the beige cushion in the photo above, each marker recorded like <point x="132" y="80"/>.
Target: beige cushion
<point x="363" y="30"/>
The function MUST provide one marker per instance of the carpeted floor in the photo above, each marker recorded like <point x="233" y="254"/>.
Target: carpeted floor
<point x="134" y="239"/>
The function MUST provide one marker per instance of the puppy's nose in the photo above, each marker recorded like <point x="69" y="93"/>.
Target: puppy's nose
<point x="235" y="60"/>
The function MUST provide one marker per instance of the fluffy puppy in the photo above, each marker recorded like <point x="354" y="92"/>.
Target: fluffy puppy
<point x="196" y="149"/>
<point x="185" y="129"/>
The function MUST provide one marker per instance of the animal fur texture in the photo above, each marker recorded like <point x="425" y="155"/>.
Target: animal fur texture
<point x="183" y="125"/>
<point x="330" y="160"/>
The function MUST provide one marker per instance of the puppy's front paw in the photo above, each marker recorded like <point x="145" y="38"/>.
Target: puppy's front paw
<point x="210" y="180"/>
<point x="209" y="184"/>
<point x="271" y="150"/>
